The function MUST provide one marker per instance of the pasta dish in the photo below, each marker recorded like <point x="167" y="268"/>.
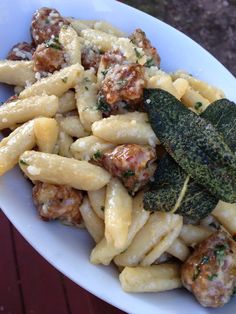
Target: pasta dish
<point x="143" y="159"/>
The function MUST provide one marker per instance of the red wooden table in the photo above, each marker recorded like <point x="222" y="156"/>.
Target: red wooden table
<point x="30" y="285"/>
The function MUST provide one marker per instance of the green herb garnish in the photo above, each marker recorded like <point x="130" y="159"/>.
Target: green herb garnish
<point x="102" y="106"/>
<point x="86" y="87"/>
<point x="198" y="105"/>
<point x="53" y="43"/>
<point x="22" y="162"/>
<point x="137" y="53"/>
<point x="102" y="208"/>
<point x="214" y="225"/>
<point x="128" y="173"/>
<point x="212" y="277"/>
<point x="149" y="63"/>
<point x="97" y="155"/>
<point x="86" y="80"/>
<point x="219" y="252"/>
<point x="64" y="79"/>
<point x="205" y="259"/>
<point x="104" y="72"/>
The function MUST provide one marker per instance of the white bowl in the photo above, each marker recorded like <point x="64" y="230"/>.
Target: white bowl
<point x="67" y="248"/>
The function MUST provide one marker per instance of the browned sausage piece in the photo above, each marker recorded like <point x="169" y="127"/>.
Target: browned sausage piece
<point x="58" y="202"/>
<point x="49" y="57"/>
<point x="210" y="272"/>
<point x="90" y="57"/>
<point x="21" y="51"/>
<point x="139" y="39"/>
<point x="111" y="58"/>
<point x="45" y="23"/>
<point x="123" y="82"/>
<point x="132" y="163"/>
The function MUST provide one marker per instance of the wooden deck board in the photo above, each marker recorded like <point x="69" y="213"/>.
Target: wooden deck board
<point x="82" y="301"/>
<point x="41" y="283"/>
<point x="30" y="285"/>
<point x="10" y="290"/>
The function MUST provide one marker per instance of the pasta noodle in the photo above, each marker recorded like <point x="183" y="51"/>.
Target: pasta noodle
<point x="86" y="100"/>
<point x="15" y="144"/>
<point x="71" y="43"/>
<point x="104" y="252"/>
<point x="46" y="133"/>
<point x="85" y="148"/>
<point x="118" y="208"/>
<point x="93" y="223"/>
<point x="97" y="201"/>
<point x="150" y="279"/>
<point x="56" y="84"/>
<point x="23" y="110"/>
<point x="128" y="128"/>
<point x="157" y="226"/>
<point x="55" y="169"/>
<point x="18" y="73"/>
<point x="225" y="213"/>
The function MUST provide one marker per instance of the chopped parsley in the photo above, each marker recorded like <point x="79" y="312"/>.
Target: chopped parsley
<point x="22" y="162"/>
<point x="212" y="277"/>
<point x="205" y="260"/>
<point x="64" y="79"/>
<point x="104" y="72"/>
<point x="53" y="43"/>
<point x="86" y="87"/>
<point x="214" y="225"/>
<point x="103" y="106"/>
<point x="86" y="80"/>
<point x="102" y="208"/>
<point x="133" y="41"/>
<point x="150" y="63"/>
<point x="137" y="53"/>
<point x="198" y="105"/>
<point x="219" y="252"/>
<point x="128" y="173"/>
<point x="97" y="155"/>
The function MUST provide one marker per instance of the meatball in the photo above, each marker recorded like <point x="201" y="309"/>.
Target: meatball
<point x="210" y="272"/>
<point x="132" y="163"/>
<point x="139" y="39"/>
<point x="45" y="23"/>
<point x="58" y="202"/>
<point x="123" y="82"/>
<point x="21" y="51"/>
<point x="90" y="57"/>
<point x="48" y="57"/>
<point x="111" y="58"/>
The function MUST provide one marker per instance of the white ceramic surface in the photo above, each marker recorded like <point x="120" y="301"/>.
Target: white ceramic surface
<point x="68" y="248"/>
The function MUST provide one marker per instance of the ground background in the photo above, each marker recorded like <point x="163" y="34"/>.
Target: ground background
<point x="212" y="23"/>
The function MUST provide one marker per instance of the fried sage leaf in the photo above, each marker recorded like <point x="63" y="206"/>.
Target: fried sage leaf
<point x="195" y="202"/>
<point x="173" y="190"/>
<point x="194" y="143"/>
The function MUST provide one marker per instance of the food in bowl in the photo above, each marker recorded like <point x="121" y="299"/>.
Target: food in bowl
<point x="140" y="157"/>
